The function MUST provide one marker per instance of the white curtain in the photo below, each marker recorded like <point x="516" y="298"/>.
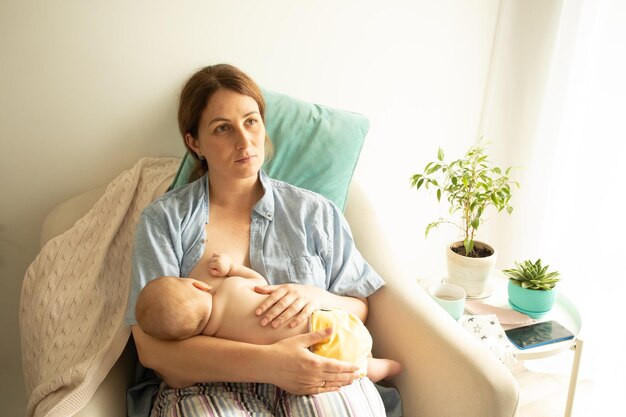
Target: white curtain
<point x="574" y="182"/>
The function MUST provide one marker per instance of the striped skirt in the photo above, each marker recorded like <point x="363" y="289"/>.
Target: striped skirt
<point x="359" y="399"/>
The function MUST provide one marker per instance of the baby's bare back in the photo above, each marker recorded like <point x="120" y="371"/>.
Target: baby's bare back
<point x="234" y="318"/>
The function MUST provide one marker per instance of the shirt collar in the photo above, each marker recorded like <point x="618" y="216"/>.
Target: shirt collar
<point x="265" y="206"/>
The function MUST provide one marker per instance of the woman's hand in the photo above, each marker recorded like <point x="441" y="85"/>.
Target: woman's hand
<point x="298" y="371"/>
<point x="288" y="303"/>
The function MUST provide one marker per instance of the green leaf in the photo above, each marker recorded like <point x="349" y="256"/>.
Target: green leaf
<point x="440" y="154"/>
<point x="469" y="246"/>
<point x="433" y="169"/>
<point x="552" y="274"/>
<point x="431" y="226"/>
<point x="414" y="179"/>
<point x="439" y="194"/>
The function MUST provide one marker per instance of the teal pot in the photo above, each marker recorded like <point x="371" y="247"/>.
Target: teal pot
<point x="534" y="303"/>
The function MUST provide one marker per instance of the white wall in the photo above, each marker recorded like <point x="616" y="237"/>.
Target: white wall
<point x="87" y="88"/>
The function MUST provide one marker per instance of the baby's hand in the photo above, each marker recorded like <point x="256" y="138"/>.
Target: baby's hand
<point x="220" y="264"/>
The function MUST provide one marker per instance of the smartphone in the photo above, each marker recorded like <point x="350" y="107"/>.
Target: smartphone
<point x="538" y="334"/>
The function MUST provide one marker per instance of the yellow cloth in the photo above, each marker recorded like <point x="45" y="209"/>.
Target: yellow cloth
<point x="350" y="341"/>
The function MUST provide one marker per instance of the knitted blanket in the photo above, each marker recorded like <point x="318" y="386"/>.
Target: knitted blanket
<point x="75" y="292"/>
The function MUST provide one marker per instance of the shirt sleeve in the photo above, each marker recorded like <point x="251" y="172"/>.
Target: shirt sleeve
<point x="349" y="273"/>
<point x="154" y="255"/>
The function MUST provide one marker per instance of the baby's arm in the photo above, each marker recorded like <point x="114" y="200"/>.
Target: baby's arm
<point x="221" y="265"/>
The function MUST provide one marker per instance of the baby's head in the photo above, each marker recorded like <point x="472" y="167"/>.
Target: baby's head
<point x="172" y="308"/>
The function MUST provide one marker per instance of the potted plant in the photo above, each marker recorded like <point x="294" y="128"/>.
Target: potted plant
<point x="471" y="185"/>
<point x="531" y="288"/>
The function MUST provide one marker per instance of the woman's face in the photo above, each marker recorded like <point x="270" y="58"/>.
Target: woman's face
<point x="231" y="136"/>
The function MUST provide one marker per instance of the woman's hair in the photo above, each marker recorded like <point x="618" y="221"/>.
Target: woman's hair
<point x="196" y="94"/>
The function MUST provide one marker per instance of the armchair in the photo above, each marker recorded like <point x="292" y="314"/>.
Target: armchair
<point x="446" y="372"/>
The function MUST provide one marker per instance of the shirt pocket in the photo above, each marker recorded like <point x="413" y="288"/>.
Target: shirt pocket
<point x="307" y="270"/>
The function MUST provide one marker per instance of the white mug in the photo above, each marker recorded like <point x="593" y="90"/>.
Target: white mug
<point x="450" y="297"/>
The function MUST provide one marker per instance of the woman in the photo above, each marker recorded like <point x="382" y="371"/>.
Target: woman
<point x="295" y="238"/>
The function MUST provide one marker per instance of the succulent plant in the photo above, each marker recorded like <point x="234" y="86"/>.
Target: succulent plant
<point x="533" y="276"/>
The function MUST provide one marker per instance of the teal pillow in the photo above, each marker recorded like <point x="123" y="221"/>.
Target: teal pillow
<point x="315" y="147"/>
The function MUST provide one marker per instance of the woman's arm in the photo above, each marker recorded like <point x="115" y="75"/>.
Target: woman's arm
<point x="288" y="363"/>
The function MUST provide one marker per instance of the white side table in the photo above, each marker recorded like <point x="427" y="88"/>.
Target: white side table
<point x="566" y="313"/>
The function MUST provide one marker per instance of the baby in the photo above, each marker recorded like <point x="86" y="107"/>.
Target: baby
<point x="173" y="308"/>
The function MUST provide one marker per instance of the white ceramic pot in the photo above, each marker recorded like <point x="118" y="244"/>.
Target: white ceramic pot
<point x="472" y="274"/>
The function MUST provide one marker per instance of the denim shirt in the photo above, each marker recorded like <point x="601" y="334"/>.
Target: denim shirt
<point x="296" y="236"/>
